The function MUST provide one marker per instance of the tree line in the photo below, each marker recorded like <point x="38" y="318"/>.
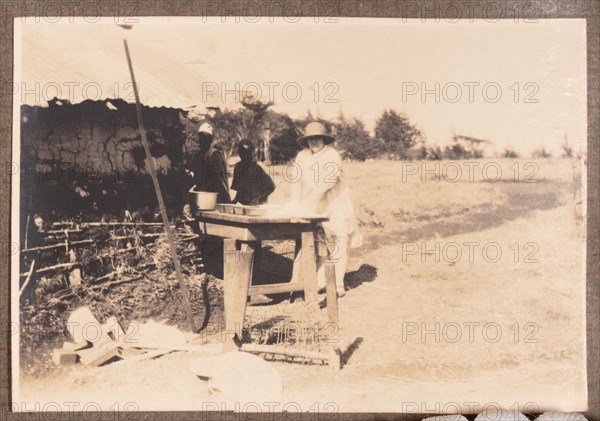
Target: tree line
<point x="395" y="137"/>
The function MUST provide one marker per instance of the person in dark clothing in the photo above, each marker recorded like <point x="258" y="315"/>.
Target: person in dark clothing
<point x="209" y="167"/>
<point x="209" y="174"/>
<point x="252" y="184"/>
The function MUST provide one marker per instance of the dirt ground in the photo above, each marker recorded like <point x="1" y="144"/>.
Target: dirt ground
<point x="467" y="294"/>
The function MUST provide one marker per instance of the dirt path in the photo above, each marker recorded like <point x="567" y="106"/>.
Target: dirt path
<point x="543" y="302"/>
<point x="432" y="331"/>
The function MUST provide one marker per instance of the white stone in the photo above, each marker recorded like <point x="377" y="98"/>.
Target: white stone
<point x="502" y="415"/>
<point x="561" y="416"/>
<point x="454" y="417"/>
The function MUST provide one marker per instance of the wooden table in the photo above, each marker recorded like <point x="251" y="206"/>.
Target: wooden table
<point x="247" y="232"/>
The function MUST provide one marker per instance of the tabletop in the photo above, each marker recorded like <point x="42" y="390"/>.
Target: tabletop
<point x="269" y="218"/>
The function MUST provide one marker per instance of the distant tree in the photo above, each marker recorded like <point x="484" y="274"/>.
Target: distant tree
<point x="456" y="151"/>
<point x="396" y="133"/>
<point x="433" y="153"/>
<point x="281" y="132"/>
<point x="541" y="152"/>
<point x="231" y="126"/>
<point x="465" y="147"/>
<point x="255" y="118"/>
<point x="472" y="144"/>
<point x="255" y="105"/>
<point x="278" y="137"/>
<point x="509" y="153"/>
<point x="354" y="141"/>
<point x="567" y="150"/>
<point x="228" y="129"/>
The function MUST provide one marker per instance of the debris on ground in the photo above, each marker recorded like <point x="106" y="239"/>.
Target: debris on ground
<point x="95" y="344"/>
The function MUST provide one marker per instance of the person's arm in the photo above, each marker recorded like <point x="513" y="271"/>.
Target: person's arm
<point x="265" y="186"/>
<point x="235" y="183"/>
<point x="196" y="171"/>
<point x="220" y="168"/>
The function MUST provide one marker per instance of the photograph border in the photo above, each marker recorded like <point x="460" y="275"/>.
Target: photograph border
<point x="546" y="9"/>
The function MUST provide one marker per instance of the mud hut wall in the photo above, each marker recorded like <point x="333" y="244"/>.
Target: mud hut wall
<point x="87" y="156"/>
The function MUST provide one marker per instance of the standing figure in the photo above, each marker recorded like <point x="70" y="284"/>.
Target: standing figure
<point x="320" y="188"/>
<point x="252" y="184"/>
<point x="209" y="167"/>
<point x="209" y="172"/>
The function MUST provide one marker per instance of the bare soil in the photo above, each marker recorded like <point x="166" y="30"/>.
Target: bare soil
<point x="465" y="294"/>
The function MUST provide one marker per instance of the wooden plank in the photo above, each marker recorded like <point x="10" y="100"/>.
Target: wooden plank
<point x="145" y="356"/>
<point x="332" y="316"/>
<point x="76" y="346"/>
<point x="237" y="274"/>
<point x="98" y="355"/>
<point x="206" y="349"/>
<point x="276" y="288"/>
<point x="64" y="356"/>
<point x="308" y="266"/>
<point x="79" y="323"/>
<point x="297" y="269"/>
<point x="332" y="304"/>
<point x="257" y="232"/>
<point x="262" y="219"/>
<point x="282" y="231"/>
<point x="288" y="351"/>
<point x="226" y="231"/>
<point x="113" y="328"/>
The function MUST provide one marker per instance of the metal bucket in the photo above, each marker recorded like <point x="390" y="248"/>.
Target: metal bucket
<point x="203" y="200"/>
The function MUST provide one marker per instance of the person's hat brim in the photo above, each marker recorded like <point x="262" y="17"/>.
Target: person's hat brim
<point x="303" y="140"/>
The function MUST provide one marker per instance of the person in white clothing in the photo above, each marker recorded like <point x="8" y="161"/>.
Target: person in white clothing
<point x="319" y="187"/>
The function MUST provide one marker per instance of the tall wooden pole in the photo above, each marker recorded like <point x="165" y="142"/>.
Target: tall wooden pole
<point x="161" y="203"/>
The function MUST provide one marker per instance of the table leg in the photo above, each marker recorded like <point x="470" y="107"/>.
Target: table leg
<point x="212" y="255"/>
<point x="308" y="267"/>
<point x="237" y="276"/>
<point x="332" y="304"/>
<point x="296" y="269"/>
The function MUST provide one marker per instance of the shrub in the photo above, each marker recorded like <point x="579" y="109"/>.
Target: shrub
<point x="541" y="152"/>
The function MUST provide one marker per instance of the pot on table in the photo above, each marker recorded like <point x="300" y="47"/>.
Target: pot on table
<point x="203" y="200"/>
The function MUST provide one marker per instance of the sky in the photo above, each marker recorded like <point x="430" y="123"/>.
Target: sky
<point x="519" y="85"/>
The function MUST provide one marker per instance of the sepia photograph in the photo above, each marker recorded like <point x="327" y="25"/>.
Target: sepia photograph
<point x="300" y="215"/>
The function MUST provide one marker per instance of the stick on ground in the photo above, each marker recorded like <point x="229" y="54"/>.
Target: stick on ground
<point x="29" y="274"/>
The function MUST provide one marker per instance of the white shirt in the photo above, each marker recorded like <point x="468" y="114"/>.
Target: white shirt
<point x="319" y="187"/>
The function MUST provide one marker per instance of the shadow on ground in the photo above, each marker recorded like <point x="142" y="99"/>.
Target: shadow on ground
<point x="523" y="198"/>
<point x="346" y="354"/>
<point x="365" y="273"/>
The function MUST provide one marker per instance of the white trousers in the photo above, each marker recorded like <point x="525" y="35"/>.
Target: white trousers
<point x="338" y="256"/>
